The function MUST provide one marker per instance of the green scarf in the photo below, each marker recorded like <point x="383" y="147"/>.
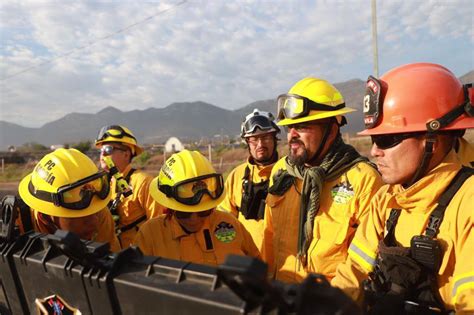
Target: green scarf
<point x="340" y="158"/>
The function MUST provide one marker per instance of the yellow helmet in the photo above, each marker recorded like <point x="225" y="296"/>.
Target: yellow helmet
<point x="311" y="99"/>
<point x="66" y="183"/>
<point x="187" y="182"/>
<point x="116" y="133"/>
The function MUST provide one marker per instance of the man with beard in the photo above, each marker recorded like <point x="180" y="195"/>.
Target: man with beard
<point x="247" y="184"/>
<point x="319" y="192"/>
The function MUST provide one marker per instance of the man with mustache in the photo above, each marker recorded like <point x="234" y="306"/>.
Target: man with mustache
<point x="416" y="245"/>
<point x="318" y="192"/>
<point x="247" y="184"/>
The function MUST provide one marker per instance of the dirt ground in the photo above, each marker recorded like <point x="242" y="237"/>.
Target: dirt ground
<point x="8" y="189"/>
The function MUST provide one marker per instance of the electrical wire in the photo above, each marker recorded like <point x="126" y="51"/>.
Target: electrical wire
<point x="123" y="30"/>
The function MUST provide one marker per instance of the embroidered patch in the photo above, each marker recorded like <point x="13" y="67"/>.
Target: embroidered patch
<point x="225" y="232"/>
<point x="342" y="193"/>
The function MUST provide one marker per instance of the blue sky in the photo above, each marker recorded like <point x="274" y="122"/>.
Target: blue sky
<point x="227" y="53"/>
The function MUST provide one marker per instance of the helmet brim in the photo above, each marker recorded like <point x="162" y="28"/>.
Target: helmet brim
<point x="171" y="203"/>
<point x="48" y="208"/>
<point x="316" y="115"/>
<point x="459" y="124"/>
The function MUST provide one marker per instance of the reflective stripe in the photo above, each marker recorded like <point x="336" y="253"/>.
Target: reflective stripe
<point x="362" y="255"/>
<point x="462" y="282"/>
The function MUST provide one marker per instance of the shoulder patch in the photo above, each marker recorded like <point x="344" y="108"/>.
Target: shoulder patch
<point x="225" y="232"/>
<point x="342" y="193"/>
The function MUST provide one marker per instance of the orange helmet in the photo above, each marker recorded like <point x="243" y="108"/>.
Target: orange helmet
<point x="417" y="97"/>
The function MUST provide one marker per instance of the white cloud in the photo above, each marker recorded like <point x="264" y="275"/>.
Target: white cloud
<point x="225" y="53"/>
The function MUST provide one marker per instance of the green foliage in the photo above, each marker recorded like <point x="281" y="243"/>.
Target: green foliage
<point x="83" y="146"/>
<point x="32" y="147"/>
<point x="142" y="158"/>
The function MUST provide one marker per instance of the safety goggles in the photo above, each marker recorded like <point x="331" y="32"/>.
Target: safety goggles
<point x="65" y="195"/>
<point x="186" y="215"/>
<point x="259" y="122"/>
<point x="294" y="106"/>
<point x="114" y="131"/>
<point x="109" y="149"/>
<point x="388" y="141"/>
<point x="191" y="191"/>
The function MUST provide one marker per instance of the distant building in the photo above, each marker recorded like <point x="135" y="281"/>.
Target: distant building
<point x="11" y="148"/>
<point x="173" y="145"/>
<point x="56" y="146"/>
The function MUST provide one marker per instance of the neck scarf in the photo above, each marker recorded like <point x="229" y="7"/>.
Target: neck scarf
<point x="340" y="158"/>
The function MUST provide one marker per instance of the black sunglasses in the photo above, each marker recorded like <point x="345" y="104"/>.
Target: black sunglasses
<point x="109" y="149"/>
<point x="187" y="215"/>
<point x="388" y="141"/>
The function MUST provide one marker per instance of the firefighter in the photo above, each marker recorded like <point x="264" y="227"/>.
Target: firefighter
<point x="118" y="143"/>
<point x="416" y="246"/>
<point x="192" y="230"/>
<point x="66" y="191"/>
<point x="318" y="192"/>
<point x="247" y="184"/>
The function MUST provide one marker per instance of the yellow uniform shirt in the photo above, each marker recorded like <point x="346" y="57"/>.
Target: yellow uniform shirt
<point x="343" y="205"/>
<point x="233" y="200"/>
<point x="221" y="235"/>
<point x="105" y="233"/>
<point x="456" y="234"/>
<point x="465" y="151"/>
<point x="138" y="204"/>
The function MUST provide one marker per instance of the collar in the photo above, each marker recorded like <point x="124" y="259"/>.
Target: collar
<point x="177" y="231"/>
<point x="423" y="195"/>
<point x="260" y="170"/>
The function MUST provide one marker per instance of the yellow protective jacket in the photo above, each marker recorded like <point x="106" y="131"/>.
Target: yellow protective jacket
<point x="138" y="205"/>
<point x="105" y="233"/>
<point x="465" y="151"/>
<point x="233" y="200"/>
<point x="456" y="234"/>
<point x="343" y="205"/>
<point x="221" y="235"/>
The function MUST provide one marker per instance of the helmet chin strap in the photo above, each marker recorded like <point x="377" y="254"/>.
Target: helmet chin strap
<point x="425" y="161"/>
<point x="327" y="131"/>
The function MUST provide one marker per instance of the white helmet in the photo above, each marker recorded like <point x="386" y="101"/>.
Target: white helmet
<point x="258" y="122"/>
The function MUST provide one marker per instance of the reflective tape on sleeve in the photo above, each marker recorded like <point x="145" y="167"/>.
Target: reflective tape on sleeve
<point x="462" y="282"/>
<point x="364" y="257"/>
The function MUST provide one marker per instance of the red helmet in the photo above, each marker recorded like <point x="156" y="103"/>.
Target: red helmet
<point x="417" y="97"/>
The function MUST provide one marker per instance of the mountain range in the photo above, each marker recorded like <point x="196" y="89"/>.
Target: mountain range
<point x="189" y="121"/>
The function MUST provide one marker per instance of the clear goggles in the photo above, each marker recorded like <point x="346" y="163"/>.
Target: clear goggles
<point x="191" y="191"/>
<point x="76" y="196"/>
<point x="114" y="131"/>
<point x="294" y="106"/>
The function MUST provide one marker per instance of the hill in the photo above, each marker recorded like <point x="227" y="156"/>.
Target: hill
<point x="188" y="121"/>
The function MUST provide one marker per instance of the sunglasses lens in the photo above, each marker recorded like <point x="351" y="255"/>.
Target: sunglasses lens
<point x="186" y="215"/>
<point x="183" y="215"/>
<point x="204" y="214"/>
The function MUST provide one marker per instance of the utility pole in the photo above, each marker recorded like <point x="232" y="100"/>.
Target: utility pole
<point x="374" y="39"/>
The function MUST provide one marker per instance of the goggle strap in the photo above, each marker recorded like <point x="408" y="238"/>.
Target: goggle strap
<point x="44" y="195"/>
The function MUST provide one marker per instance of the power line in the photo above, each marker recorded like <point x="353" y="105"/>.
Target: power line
<point x="123" y="30"/>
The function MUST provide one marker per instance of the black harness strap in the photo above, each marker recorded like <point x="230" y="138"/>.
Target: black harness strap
<point x="436" y="217"/>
